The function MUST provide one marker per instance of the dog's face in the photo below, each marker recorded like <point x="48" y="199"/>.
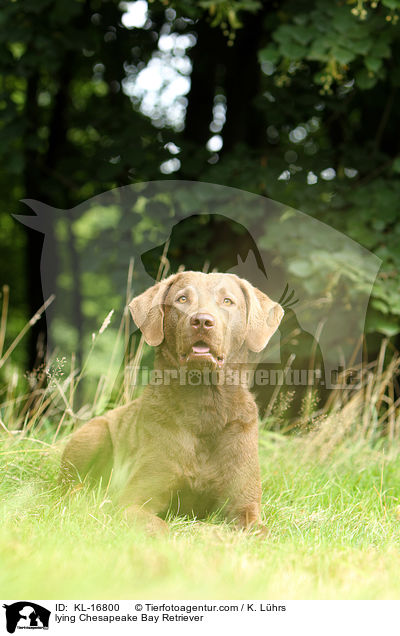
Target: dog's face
<point x="206" y="319"/>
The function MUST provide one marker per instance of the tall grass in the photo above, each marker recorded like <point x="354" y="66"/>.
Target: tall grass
<point x="330" y="499"/>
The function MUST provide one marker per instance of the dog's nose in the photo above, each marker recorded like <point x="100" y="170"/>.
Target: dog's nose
<point x="202" y="321"/>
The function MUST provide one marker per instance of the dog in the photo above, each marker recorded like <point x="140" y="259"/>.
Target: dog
<point x="186" y="447"/>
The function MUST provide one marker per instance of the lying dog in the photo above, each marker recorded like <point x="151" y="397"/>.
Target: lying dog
<point x="187" y="447"/>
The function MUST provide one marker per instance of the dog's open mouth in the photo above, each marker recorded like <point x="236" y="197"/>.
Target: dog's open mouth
<point x="201" y="352"/>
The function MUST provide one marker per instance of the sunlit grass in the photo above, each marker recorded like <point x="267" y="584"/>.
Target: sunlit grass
<point x="330" y="501"/>
<point x="334" y="533"/>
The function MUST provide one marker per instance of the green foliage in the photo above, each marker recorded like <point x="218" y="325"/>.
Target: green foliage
<point x="344" y="42"/>
<point x="319" y="87"/>
<point x="226" y="11"/>
<point x="329" y="74"/>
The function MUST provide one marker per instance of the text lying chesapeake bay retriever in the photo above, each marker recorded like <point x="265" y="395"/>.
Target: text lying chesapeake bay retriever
<point x="189" y="447"/>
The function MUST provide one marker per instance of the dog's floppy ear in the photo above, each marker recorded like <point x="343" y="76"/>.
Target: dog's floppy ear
<point x="263" y="317"/>
<point x="148" y="312"/>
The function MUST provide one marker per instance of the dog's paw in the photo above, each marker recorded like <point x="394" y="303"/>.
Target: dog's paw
<point x="156" y="526"/>
<point x="146" y="521"/>
<point x="260" y="530"/>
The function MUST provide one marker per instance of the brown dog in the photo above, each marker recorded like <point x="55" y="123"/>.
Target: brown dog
<point x="189" y="443"/>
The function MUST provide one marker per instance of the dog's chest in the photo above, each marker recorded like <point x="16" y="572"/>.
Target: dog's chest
<point x="194" y="488"/>
<point x="197" y="457"/>
<point x="202" y="412"/>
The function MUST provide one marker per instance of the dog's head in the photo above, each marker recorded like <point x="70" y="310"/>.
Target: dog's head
<point x="206" y="319"/>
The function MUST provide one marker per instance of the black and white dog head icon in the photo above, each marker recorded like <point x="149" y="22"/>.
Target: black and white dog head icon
<point x="25" y="614"/>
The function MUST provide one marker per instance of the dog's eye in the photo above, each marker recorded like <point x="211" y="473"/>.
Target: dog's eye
<point x="181" y="299"/>
<point x="228" y="301"/>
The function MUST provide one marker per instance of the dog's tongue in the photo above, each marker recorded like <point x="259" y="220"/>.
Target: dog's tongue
<point x="200" y="347"/>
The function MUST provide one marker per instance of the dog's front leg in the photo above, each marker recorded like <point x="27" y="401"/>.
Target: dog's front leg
<point x="144" y="498"/>
<point x="240" y="481"/>
<point x="88" y="454"/>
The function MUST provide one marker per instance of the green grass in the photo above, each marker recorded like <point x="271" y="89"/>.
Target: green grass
<point x="331" y="508"/>
<point x="330" y="502"/>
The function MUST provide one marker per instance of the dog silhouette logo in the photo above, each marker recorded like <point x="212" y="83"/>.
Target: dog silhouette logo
<point x="26" y="615"/>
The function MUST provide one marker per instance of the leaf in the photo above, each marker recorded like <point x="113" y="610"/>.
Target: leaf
<point x="292" y="50"/>
<point x="364" y="80"/>
<point x="391" y="4"/>
<point x="361" y="46"/>
<point x="373" y="64"/>
<point x="283" y="34"/>
<point x="343" y="20"/>
<point x="380" y="305"/>
<point x="302" y="34"/>
<point x="343" y="56"/>
<point x="386" y="326"/>
<point x="318" y="50"/>
<point x="269" y="54"/>
<point x="380" y="49"/>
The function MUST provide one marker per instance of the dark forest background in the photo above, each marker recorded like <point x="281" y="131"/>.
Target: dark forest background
<point x="295" y="100"/>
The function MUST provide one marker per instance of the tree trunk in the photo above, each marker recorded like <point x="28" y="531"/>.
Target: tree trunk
<point x="38" y="338"/>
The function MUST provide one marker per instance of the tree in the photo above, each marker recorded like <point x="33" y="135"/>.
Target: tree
<point x="308" y="89"/>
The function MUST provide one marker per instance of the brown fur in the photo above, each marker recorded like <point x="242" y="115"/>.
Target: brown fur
<point x="186" y="448"/>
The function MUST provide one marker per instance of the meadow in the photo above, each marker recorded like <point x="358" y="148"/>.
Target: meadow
<point x="331" y="502"/>
<point x="334" y="532"/>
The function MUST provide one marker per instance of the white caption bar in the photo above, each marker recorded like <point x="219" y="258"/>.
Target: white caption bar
<point x="171" y="617"/>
